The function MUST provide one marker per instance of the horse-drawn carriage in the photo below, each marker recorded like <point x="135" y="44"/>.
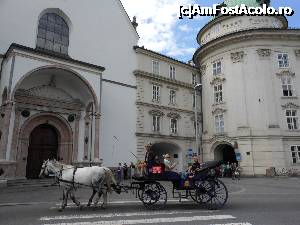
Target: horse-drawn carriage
<point x="203" y="187"/>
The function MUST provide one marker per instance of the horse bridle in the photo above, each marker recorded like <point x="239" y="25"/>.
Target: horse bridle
<point x="45" y="167"/>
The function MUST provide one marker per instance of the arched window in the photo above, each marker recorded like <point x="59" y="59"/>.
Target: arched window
<point x="53" y="33"/>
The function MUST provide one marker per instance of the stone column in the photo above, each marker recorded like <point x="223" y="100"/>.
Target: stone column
<point x="76" y="138"/>
<point x="5" y="129"/>
<point x="14" y="145"/>
<point x="97" y="136"/>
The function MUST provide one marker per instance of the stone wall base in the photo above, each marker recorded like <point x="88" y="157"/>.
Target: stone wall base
<point x="9" y="169"/>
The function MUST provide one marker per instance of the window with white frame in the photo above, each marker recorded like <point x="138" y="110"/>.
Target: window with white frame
<point x="292" y="119"/>
<point x="217" y="68"/>
<point x="172" y="73"/>
<point x="173" y="125"/>
<point x="155" y="67"/>
<point x="218" y="93"/>
<point x="287" y="86"/>
<point x="219" y="123"/>
<point x="194" y="79"/>
<point x="155" y="93"/>
<point x="156" y="123"/>
<point x="172" y="96"/>
<point x="283" y="60"/>
<point x="295" y="153"/>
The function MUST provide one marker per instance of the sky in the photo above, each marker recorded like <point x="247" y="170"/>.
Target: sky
<point x="160" y="29"/>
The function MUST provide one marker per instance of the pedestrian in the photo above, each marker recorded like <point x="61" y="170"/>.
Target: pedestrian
<point x="228" y="173"/>
<point x="125" y="171"/>
<point x="233" y="171"/>
<point x="119" y="173"/>
<point x="132" y="170"/>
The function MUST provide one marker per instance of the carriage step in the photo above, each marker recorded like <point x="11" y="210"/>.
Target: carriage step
<point x="30" y="183"/>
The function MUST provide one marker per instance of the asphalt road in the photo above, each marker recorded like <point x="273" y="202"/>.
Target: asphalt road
<point x="253" y="201"/>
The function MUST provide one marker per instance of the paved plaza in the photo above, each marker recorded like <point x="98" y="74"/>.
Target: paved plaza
<point x="252" y="201"/>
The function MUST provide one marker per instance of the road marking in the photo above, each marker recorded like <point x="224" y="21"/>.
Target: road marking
<point x="147" y="213"/>
<point x="154" y="220"/>
<point x="233" y="224"/>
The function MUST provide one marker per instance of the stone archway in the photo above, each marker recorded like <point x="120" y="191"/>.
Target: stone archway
<point x="225" y="152"/>
<point x="172" y="149"/>
<point x="65" y="143"/>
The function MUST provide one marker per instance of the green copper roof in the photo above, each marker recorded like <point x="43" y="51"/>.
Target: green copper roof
<point x="250" y="3"/>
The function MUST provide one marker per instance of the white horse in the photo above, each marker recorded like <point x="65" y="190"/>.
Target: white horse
<point x="100" y="179"/>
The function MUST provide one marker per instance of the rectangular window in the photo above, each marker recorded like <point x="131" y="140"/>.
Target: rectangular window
<point x="172" y="96"/>
<point x="172" y="73"/>
<point x="217" y="68"/>
<point x="283" y="60"/>
<point x="287" y="86"/>
<point x="155" y="67"/>
<point x="173" y="126"/>
<point x="218" y="93"/>
<point x="292" y="119"/>
<point x="156" y="123"/>
<point x="194" y="79"/>
<point x="219" y="123"/>
<point x="295" y="153"/>
<point x="155" y="93"/>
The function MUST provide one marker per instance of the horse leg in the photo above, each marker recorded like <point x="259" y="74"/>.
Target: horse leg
<point x="104" y="198"/>
<point x="64" y="200"/>
<point x="98" y="198"/>
<point x="91" y="198"/>
<point x="72" y="195"/>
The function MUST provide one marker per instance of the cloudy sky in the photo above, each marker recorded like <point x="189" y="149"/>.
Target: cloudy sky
<point x="161" y="30"/>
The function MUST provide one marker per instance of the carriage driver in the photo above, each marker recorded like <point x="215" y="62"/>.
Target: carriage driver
<point x="149" y="158"/>
<point x="196" y="165"/>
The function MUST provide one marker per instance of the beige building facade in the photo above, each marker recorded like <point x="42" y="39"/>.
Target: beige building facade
<point x="165" y="106"/>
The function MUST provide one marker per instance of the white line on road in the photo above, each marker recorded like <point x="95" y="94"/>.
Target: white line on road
<point x="113" y="215"/>
<point x="154" y="220"/>
<point x="233" y="224"/>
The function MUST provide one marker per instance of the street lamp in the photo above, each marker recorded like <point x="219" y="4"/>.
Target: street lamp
<point x="197" y="88"/>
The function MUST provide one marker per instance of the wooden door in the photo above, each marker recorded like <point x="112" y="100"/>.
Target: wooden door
<point x="43" y="145"/>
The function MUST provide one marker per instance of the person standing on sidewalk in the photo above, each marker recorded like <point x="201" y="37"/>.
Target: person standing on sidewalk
<point x="125" y="171"/>
<point x="119" y="173"/>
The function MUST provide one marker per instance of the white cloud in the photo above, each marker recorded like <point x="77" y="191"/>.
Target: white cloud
<point x="158" y="20"/>
<point x="184" y="28"/>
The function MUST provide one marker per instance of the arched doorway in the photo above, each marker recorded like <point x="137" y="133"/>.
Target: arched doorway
<point x="174" y="150"/>
<point x="226" y="153"/>
<point x="43" y="145"/>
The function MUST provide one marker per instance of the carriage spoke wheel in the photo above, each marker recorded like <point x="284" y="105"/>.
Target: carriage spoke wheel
<point x="154" y="196"/>
<point x="219" y="195"/>
<point x="201" y="193"/>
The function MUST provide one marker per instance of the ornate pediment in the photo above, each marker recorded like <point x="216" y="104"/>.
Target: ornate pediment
<point x="285" y="73"/>
<point x="155" y="112"/>
<point x="290" y="105"/>
<point x="237" y="56"/>
<point x="174" y="115"/>
<point x="264" y="52"/>
<point x="219" y="110"/>
<point x="217" y="80"/>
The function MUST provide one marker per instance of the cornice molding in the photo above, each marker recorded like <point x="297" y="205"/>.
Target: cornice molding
<point x="264" y="52"/>
<point x="290" y="105"/>
<point x="155" y="112"/>
<point x="155" y="77"/>
<point x="164" y="107"/>
<point x="173" y="115"/>
<point x="157" y="135"/>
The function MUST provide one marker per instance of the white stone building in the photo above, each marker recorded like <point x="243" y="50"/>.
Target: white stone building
<point x="165" y="106"/>
<point x="57" y="100"/>
<point x="250" y="74"/>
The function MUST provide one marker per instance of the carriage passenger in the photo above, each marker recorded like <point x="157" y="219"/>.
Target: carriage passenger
<point x="149" y="158"/>
<point x="169" y="166"/>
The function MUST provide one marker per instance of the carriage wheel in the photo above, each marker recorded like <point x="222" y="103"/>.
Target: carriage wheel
<point x="154" y="196"/>
<point x="219" y="195"/>
<point x="201" y="192"/>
